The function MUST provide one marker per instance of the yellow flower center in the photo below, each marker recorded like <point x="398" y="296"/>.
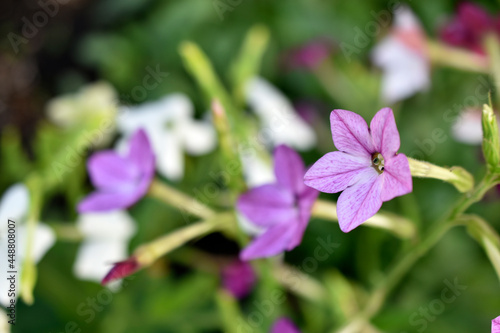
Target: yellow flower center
<point x="378" y="162"/>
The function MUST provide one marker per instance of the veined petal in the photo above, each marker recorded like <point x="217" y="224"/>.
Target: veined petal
<point x="306" y="201"/>
<point x="384" y="133"/>
<point x="107" y="201"/>
<point x="289" y="169"/>
<point x="350" y="133"/>
<point x="335" y="171"/>
<point x="109" y="170"/>
<point x="284" y="325"/>
<point x="495" y="325"/>
<point x="359" y="202"/>
<point x="267" y="205"/>
<point x="141" y="153"/>
<point x="199" y="137"/>
<point x="397" y="178"/>
<point x="272" y="242"/>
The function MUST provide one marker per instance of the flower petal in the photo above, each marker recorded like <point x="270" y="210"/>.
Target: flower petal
<point x="350" y="133"/>
<point x="289" y="169"/>
<point x="14" y="204"/>
<point x="141" y="153"/>
<point x="360" y="201"/>
<point x="335" y="171"/>
<point x="108" y="170"/>
<point x="267" y="205"/>
<point x="284" y="325"/>
<point x="199" y="137"/>
<point x="169" y="154"/>
<point x="95" y="257"/>
<point x="43" y="240"/>
<point x="255" y="170"/>
<point x="306" y="202"/>
<point x="384" y="133"/>
<point x="397" y="178"/>
<point x="106" y="201"/>
<point x="117" y="225"/>
<point x="272" y="242"/>
<point x="495" y="325"/>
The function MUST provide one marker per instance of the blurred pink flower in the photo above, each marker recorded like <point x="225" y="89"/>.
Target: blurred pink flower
<point x="283" y="209"/>
<point x="367" y="167"/>
<point x="121" y="270"/>
<point x="495" y="325"/>
<point x="403" y="58"/>
<point x="284" y="325"/>
<point x="469" y="26"/>
<point x="121" y="181"/>
<point x="309" y="55"/>
<point x="238" y="278"/>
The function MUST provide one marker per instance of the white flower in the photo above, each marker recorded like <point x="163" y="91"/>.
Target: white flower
<point x="4" y="322"/>
<point x="95" y="100"/>
<point x="172" y="130"/>
<point x="106" y="237"/>
<point x="468" y="127"/>
<point x="402" y="57"/>
<point x="256" y="170"/>
<point x="279" y="120"/>
<point x="14" y="205"/>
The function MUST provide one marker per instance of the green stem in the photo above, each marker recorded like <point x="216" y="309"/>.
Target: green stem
<point x="449" y="56"/>
<point x="175" y="198"/>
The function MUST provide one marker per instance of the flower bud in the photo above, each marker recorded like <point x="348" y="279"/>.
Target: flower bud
<point x="491" y="146"/>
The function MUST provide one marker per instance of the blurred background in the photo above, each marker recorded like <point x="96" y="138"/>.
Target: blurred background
<point x="120" y="41"/>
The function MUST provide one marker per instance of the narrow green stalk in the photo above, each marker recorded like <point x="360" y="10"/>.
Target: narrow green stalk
<point x="173" y="197"/>
<point x="441" y="54"/>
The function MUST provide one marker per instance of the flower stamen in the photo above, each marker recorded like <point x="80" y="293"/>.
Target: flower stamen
<point x="378" y="162"/>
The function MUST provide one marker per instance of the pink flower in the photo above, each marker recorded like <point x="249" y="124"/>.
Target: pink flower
<point x="495" y="325"/>
<point x="121" y="180"/>
<point x="238" y="278"/>
<point x="283" y="209"/>
<point x="366" y="168"/>
<point x="309" y="55"/>
<point x="284" y="325"/>
<point x="468" y="28"/>
<point x="121" y="269"/>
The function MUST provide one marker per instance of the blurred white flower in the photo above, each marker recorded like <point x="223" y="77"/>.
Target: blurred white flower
<point x="105" y="242"/>
<point x="280" y="123"/>
<point x="402" y="57"/>
<point x="256" y="171"/>
<point x="94" y="101"/>
<point x="4" y="322"/>
<point x="468" y="127"/>
<point x="14" y="205"/>
<point x="172" y="130"/>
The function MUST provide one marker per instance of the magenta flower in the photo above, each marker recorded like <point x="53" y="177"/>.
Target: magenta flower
<point x="495" y="325"/>
<point x="238" y="278"/>
<point x="120" y="180"/>
<point x="309" y="55"/>
<point x="469" y="27"/>
<point x="281" y="209"/>
<point x="366" y="168"/>
<point x="284" y="325"/>
<point x="121" y="270"/>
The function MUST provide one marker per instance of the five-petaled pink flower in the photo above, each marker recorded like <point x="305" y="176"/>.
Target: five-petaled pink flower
<point x="366" y="168"/>
<point x="284" y="325"/>
<point x="121" y="180"/>
<point x="495" y="325"/>
<point x="283" y="209"/>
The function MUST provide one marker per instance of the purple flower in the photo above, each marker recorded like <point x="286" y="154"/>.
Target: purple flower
<point x="495" y="325"/>
<point x="120" y="180"/>
<point x="238" y="278"/>
<point x="281" y="209"/>
<point x="284" y="325"/>
<point x="366" y="168"/>
<point x="469" y="27"/>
